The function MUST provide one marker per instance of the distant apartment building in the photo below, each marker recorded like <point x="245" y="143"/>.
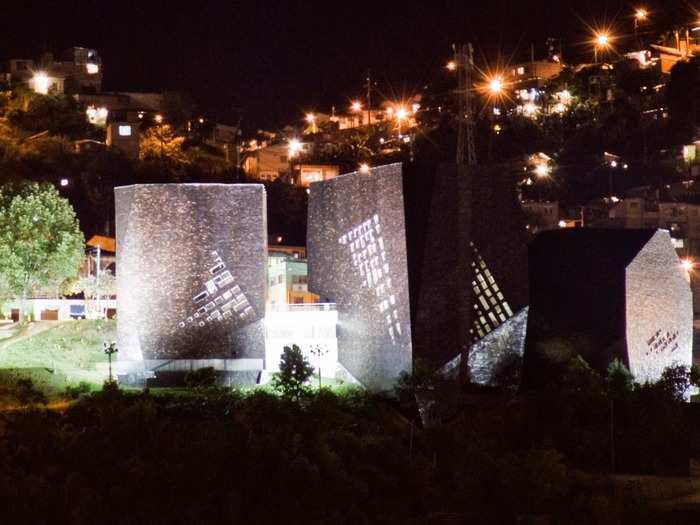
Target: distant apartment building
<point x="124" y="137"/>
<point x="533" y="74"/>
<point x="359" y="118"/>
<point x="541" y="215"/>
<point x="78" y="70"/>
<point x="305" y="174"/>
<point x="681" y="219"/>
<point x="267" y="163"/>
<point x="680" y="44"/>
<point x="287" y="273"/>
<point x="122" y="106"/>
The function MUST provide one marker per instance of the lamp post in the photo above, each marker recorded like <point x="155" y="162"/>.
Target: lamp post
<point x="495" y="91"/>
<point x="311" y="119"/>
<point x="602" y="41"/>
<point x="110" y="349"/>
<point x="640" y="15"/>
<point x="356" y="107"/>
<point x="293" y="148"/>
<point x="400" y="115"/>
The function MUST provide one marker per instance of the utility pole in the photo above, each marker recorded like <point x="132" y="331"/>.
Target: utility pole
<point x="466" y="160"/>
<point x="464" y="61"/>
<point x="369" y="98"/>
<point x="97" y="274"/>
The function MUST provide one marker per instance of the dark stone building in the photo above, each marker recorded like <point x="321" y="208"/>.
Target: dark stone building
<point x="192" y="262"/>
<point x="458" y="260"/>
<point x="605" y="295"/>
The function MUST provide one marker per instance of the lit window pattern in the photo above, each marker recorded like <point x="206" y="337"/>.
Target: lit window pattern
<point x="490" y="307"/>
<point x="366" y="245"/>
<point x="222" y="299"/>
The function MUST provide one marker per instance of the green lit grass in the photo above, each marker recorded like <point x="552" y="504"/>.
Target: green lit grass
<point x="64" y="353"/>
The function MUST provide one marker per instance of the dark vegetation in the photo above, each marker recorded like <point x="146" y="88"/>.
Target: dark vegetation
<point x="473" y="456"/>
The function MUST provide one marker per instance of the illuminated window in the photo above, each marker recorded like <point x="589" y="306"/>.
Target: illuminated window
<point x="125" y="131"/>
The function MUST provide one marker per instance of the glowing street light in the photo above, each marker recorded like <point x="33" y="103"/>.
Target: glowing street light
<point x="542" y="170"/>
<point x="159" y="118"/>
<point x="364" y="168"/>
<point x="602" y="41"/>
<point x="451" y="65"/>
<point x="496" y="86"/>
<point x="311" y="119"/>
<point x="356" y="107"/>
<point x="640" y="14"/>
<point x="41" y="83"/>
<point x="687" y="264"/>
<point x="294" y="147"/>
<point x="401" y="114"/>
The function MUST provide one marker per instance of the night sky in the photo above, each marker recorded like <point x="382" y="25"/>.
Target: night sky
<point x="269" y="62"/>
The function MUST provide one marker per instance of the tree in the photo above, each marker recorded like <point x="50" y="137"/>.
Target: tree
<point x="94" y="286"/>
<point x="40" y="240"/>
<point x="295" y="371"/>
<point x="161" y="141"/>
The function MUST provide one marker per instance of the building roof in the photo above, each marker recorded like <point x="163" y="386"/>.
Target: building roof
<point x="583" y="247"/>
<point x="107" y="244"/>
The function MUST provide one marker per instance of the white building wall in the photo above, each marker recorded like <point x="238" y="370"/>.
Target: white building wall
<point x="307" y="326"/>
<point x="659" y="310"/>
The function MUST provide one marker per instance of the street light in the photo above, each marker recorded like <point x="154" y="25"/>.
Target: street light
<point x="356" y="107"/>
<point x="687" y="264"/>
<point x="41" y="83"/>
<point x="640" y="15"/>
<point x="602" y="41"/>
<point x="496" y="86"/>
<point x="364" y="168"/>
<point x="294" y="147"/>
<point x="311" y="119"/>
<point x="542" y="170"/>
<point x="401" y="114"/>
<point x="451" y="65"/>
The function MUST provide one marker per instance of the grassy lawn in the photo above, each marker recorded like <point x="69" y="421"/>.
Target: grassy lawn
<point x="64" y="353"/>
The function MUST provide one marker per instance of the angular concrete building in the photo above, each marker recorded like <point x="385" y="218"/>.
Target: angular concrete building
<point x="453" y="243"/>
<point x="357" y="259"/>
<point x="191" y="277"/>
<point x="605" y="295"/>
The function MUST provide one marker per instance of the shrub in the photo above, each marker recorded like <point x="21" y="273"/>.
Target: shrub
<point x="295" y="371"/>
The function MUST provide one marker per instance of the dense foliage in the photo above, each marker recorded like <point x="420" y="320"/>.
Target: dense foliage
<point x="40" y="240"/>
<point x="219" y="456"/>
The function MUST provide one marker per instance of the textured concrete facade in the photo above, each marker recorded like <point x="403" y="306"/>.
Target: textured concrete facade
<point x="357" y="259"/>
<point x="191" y="276"/>
<point x="489" y="354"/>
<point x="605" y="295"/>
<point x="659" y="310"/>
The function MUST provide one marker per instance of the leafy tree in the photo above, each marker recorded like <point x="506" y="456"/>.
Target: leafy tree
<point x="683" y="97"/>
<point x="58" y="114"/>
<point x="40" y="240"/>
<point x="675" y="382"/>
<point x="162" y="141"/>
<point x="620" y="380"/>
<point x="93" y="286"/>
<point x="295" y="372"/>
